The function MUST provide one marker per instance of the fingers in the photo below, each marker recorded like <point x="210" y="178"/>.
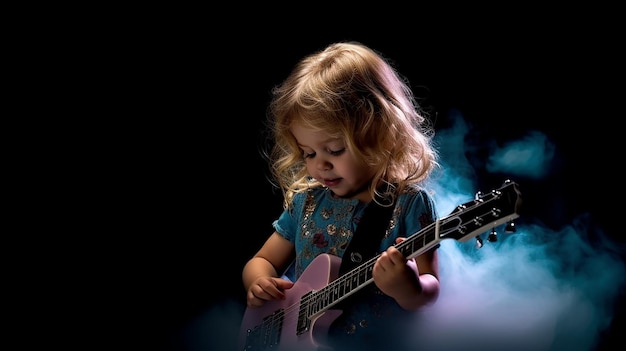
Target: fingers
<point x="266" y="289"/>
<point x="390" y="260"/>
<point x="392" y="257"/>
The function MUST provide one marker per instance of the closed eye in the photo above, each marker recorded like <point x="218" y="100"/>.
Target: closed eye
<point x="337" y="152"/>
<point x="331" y="152"/>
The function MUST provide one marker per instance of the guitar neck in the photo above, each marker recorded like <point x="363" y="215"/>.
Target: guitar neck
<point x="359" y="277"/>
<point x="469" y="219"/>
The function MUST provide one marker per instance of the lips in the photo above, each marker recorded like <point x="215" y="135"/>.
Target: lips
<point x="332" y="182"/>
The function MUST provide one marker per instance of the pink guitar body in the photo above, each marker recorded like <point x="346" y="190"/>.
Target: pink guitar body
<point x="281" y="333"/>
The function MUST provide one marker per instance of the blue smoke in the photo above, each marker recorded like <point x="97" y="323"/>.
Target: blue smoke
<point x="529" y="157"/>
<point x="536" y="289"/>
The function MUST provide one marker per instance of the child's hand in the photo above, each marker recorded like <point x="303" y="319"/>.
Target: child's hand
<point x="395" y="276"/>
<point x="267" y="288"/>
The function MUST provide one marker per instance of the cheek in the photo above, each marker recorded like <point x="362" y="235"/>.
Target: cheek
<point x="349" y="169"/>
<point x="360" y="171"/>
<point x="309" y="167"/>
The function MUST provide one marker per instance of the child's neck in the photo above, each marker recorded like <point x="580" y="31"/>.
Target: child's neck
<point x="362" y="194"/>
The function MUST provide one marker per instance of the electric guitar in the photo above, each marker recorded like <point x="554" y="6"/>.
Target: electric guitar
<point x="301" y="320"/>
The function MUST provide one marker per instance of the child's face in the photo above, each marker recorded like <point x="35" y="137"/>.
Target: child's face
<point x="332" y="164"/>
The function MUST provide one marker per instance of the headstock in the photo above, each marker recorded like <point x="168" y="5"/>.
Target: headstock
<point x="485" y="212"/>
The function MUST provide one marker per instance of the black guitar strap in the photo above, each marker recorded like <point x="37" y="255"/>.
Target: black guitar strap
<point x="368" y="235"/>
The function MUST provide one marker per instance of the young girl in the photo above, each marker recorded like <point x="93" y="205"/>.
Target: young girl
<point x="347" y="131"/>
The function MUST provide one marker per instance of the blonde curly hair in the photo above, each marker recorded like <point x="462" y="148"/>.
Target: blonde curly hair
<point x="351" y="92"/>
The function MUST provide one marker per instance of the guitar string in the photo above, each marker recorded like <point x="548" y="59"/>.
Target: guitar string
<point x="334" y="289"/>
<point x="291" y="313"/>
<point x="278" y="319"/>
<point x="357" y="272"/>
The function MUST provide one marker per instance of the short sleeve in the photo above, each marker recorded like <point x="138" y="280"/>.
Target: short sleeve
<point x="287" y="224"/>
<point x="418" y="212"/>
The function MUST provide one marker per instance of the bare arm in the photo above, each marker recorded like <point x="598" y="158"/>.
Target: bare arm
<point x="261" y="274"/>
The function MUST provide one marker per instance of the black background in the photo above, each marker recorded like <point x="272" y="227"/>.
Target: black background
<point x="188" y="97"/>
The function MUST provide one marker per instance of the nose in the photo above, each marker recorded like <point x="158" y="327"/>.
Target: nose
<point x="322" y="164"/>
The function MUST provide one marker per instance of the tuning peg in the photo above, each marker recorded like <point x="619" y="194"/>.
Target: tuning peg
<point x="479" y="242"/>
<point x="478" y="195"/>
<point x="493" y="236"/>
<point x="510" y="227"/>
